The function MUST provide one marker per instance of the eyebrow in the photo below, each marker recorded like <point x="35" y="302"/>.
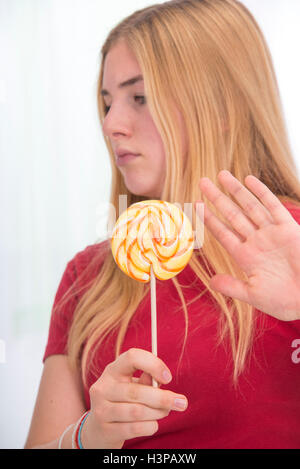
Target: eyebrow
<point x="129" y="82"/>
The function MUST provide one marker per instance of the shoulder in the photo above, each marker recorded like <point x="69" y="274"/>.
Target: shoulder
<point x="82" y="270"/>
<point x="79" y="274"/>
<point x="89" y="259"/>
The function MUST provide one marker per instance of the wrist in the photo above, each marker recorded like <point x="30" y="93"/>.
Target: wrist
<point x="92" y="436"/>
<point x="77" y="432"/>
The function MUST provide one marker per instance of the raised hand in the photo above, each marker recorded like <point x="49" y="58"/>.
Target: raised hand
<point x="263" y="239"/>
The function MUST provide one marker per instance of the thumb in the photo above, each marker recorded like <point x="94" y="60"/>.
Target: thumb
<point x="230" y="286"/>
<point x="146" y="379"/>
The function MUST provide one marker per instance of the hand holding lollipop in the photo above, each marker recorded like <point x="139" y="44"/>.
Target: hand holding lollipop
<point x="152" y="238"/>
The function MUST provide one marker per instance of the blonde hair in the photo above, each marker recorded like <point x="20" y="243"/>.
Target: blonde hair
<point x="209" y="60"/>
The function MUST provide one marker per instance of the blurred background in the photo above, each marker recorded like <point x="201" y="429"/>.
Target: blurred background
<point x="55" y="174"/>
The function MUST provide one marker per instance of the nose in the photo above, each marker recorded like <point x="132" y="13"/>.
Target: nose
<point x="117" y="122"/>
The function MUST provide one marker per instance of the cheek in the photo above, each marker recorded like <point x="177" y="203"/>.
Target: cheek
<point x="160" y="161"/>
<point x="149" y="129"/>
<point x="153" y="142"/>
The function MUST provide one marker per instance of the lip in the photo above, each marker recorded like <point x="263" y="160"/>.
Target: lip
<point x="125" y="158"/>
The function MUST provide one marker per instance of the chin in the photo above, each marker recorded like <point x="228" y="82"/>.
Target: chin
<point x="142" y="191"/>
<point x="144" y="194"/>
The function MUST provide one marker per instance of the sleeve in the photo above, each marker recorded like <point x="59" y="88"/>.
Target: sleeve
<point x="62" y="313"/>
<point x="76" y="280"/>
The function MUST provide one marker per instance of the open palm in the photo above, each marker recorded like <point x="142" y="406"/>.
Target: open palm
<point x="263" y="239"/>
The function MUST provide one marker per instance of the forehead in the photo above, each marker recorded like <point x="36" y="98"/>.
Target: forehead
<point x="120" y="64"/>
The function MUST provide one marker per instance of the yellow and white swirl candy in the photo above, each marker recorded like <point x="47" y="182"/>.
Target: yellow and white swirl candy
<point x="152" y="232"/>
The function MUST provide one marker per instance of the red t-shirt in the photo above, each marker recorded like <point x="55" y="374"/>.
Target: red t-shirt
<point x="264" y="410"/>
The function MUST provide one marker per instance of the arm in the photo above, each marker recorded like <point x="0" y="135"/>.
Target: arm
<point x="121" y="407"/>
<point x="59" y="403"/>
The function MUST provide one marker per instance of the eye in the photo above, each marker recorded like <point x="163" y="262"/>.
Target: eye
<point x="141" y="99"/>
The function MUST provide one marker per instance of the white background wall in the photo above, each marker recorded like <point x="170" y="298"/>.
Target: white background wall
<point x="54" y="177"/>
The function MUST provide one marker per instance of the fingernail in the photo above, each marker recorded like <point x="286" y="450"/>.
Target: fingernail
<point x="180" y="404"/>
<point x="167" y="376"/>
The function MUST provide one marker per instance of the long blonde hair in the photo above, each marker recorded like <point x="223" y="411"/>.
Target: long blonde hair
<point x="209" y="60"/>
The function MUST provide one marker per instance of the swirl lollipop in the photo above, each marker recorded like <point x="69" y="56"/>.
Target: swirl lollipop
<point x="152" y="238"/>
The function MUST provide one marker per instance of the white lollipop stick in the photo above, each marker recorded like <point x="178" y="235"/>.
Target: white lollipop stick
<point x="153" y="318"/>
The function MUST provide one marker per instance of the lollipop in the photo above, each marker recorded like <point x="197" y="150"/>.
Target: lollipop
<point x="152" y="239"/>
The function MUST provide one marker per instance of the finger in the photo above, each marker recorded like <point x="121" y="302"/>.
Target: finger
<point x="252" y="207"/>
<point x="146" y="379"/>
<point x="147" y="395"/>
<point x="221" y="232"/>
<point x="125" y="431"/>
<point x="137" y="359"/>
<point x="279" y="213"/>
<point x="227" y="208"/>
<point x="127" y="412"/>
<point x="230" y="286"/>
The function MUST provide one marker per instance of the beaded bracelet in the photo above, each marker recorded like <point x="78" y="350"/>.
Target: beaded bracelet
<point x="76" y="436"/>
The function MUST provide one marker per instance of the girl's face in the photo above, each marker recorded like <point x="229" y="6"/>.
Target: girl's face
<point x="129" y="125"/>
